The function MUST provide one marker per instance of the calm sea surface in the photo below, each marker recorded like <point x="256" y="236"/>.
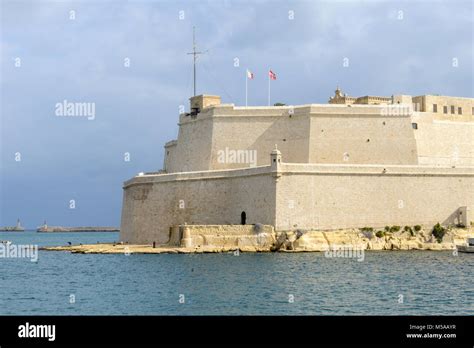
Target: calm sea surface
<point x="429" y="283"/>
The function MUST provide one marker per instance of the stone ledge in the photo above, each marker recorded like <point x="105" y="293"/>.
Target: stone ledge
<point x="311" y="241"/>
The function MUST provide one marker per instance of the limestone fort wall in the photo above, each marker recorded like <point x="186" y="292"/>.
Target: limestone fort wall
<point x="332" y="197"/>
<point x="443" y="142"/>
<point x="154" y="203"/>
<point x="299" y="197"/>
<point x="342" y="166"/>
<point x="356" y="134"/>
<point x="361" y="135"/>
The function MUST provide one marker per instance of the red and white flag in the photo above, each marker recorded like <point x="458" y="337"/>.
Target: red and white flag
<point x="272" y="75"/>
<point x="249" y="75"/>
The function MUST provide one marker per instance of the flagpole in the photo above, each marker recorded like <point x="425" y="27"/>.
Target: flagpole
<point x="269" y="88"/>
<point x="246" y="88"/>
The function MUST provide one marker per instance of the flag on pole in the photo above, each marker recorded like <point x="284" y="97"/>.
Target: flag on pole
<point x="249" y="75"/>
<point x="272" y="75"/>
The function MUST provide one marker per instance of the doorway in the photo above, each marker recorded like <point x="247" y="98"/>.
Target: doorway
<point x="243" y="218"/>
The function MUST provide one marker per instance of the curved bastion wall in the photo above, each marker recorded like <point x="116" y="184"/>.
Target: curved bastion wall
<point x="153" y="204"/>
<point x="292" y="196"/>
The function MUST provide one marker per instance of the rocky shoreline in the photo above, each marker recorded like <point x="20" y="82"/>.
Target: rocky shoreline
<point x="296" y="241"/>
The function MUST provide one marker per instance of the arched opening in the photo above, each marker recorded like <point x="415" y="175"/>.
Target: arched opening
<point x="243" y="218"/>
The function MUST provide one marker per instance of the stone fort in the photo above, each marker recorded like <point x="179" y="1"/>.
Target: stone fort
<point x="354" y="162"/>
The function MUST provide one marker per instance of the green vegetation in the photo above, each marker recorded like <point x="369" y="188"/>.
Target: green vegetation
<point x="438" y="232"/>
<point x="409" y="230"/>
<point x="417" y="228"/>
<point x="368" y="232"/>
<point x="395" y="228"/>
<point x="387" y="228"/>
<point x="279" y="104"/>
<point x="380" y="234"/>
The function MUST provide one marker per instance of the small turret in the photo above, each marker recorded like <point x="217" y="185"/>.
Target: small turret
<point x="275" y="158"/>
<point x="203" y="101"/>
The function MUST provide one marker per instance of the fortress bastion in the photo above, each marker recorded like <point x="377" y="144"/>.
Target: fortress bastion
<point x="354" y="162"/>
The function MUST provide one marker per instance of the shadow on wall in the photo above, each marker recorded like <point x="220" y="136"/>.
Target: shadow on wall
<point x="458" y="217"/>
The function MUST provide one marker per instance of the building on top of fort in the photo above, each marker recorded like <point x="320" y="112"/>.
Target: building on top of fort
<point x="342" y="98"/>
<point x="423" y="103"/>
<point x="354" y="162"/>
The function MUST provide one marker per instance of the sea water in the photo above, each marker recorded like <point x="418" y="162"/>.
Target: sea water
<point x="384" y="283"/>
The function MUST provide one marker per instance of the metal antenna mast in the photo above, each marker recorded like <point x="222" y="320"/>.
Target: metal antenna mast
<point x="195" y="54"/>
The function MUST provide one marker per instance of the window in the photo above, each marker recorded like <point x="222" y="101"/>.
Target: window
<point x="459" y="110"/>
<point x="452" y="109"/>
<point x="414" y="125"/>
<point x="435" y="107"/>
<point x="445" y="109"/>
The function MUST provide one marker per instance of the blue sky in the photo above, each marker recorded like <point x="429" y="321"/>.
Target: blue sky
<point x="393" y="47"/>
